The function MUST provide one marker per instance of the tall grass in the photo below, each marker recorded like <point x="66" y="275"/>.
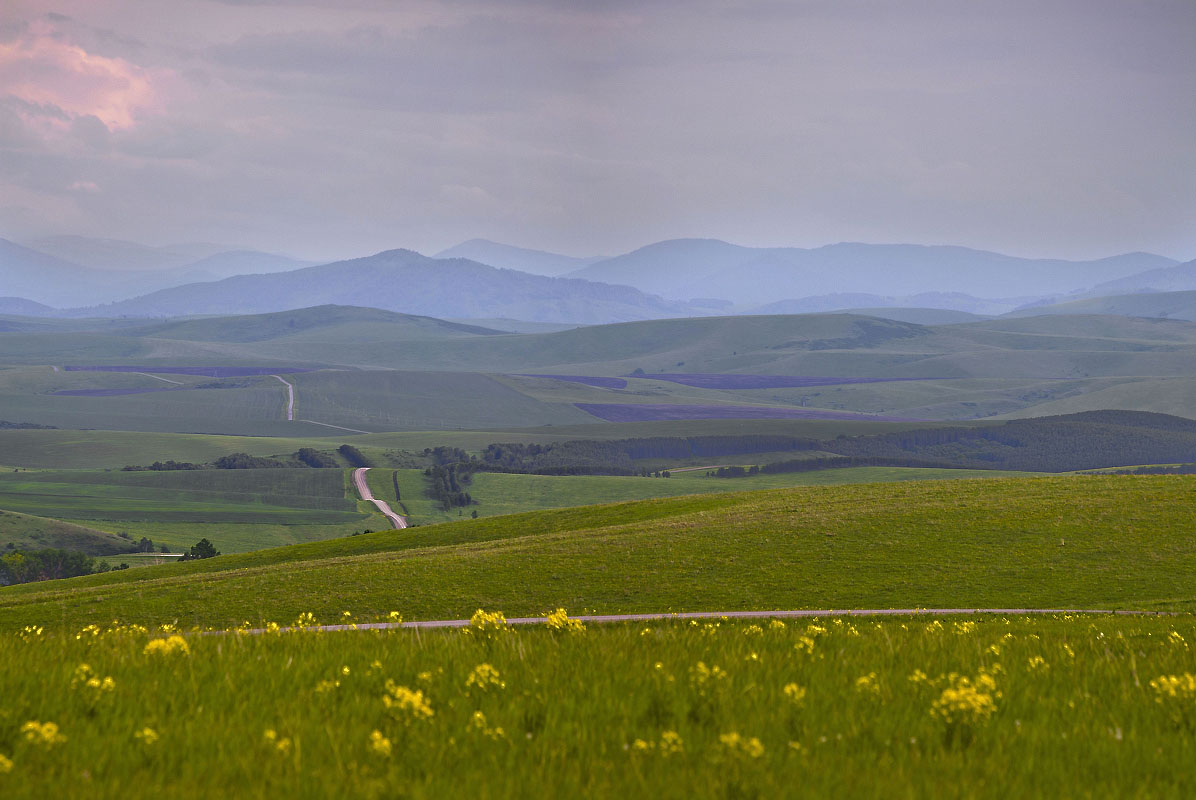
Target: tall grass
<point x="984" y="707"/>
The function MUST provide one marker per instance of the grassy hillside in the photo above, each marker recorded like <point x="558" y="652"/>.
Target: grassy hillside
<point x="328" y="323"/>
<point x="27" y="532"/>
<point x="237" y="509"/>
<point x="1170" y="305"/>
<point x="1099" y="542"/>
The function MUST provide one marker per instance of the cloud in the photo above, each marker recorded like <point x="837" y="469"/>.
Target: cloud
<point x="57" y="81"/>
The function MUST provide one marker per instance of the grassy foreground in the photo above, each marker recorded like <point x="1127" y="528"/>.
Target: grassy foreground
<point x="1067" y="542"/>
<point x="912" y="707"/>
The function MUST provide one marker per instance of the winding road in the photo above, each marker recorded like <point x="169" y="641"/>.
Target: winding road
<point x="290" y="398"/>
<point x="364" y="490"/>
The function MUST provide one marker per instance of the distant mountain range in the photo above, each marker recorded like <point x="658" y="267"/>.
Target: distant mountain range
<point x="689" y="268"/>
<point x="407" y="282"/>
<point x="66" y="271"/>
<point x="488" y="280"/>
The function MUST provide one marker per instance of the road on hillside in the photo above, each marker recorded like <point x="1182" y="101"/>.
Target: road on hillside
<point x="364" y="490"/>
<point x="804" y="613"/>
<point x="290" y="398"/>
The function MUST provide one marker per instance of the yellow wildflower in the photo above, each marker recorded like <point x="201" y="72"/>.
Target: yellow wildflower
<point x="738" y="745"/>
<point x="1177" y="693"/>
<point x="405" y="703"/>
<point x="484" y="678"/>
<point x="702" y="677"/>
<point x="44" y="734"/>
<point x="794" y="693"/>
<point x="487" y="624"/>
<point x="305" y="620"/>
<point x="777" y="625"/>
<point x="965" y="702"/>
<point x="5" y="764"/>
<point x="670" y="743"/>
<point x="1037" y="664"/>
<point x="477" y="724"/>
<point x="804" y="643"/>
<point x="964" y="628"/>
<point x="559" y="621"/>
<point x="934" y="627"/>
<point x="31" y="632"/>
<point x="918" y="676"/>
<point x="868" y="684"/>
<point x="168" y="646"/>
<point x="394" y="617"/>
<point x="753" y="630"/>
<point x="1176" y="638"/>
<point x="146" y="735"/>
<point x="1067" y="649"/>
<point x="280" y="744"/>
<point x="379" y="745"/>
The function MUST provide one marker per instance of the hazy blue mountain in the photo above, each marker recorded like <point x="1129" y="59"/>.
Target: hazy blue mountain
<point x="1179" y="278"/>
<point x="45" y="279"/>
<point x="1162" y="305"/>
<point x="239" y="262"/>
<point x="507" y="256"/>
<point x="22" y="307"/>
<point x="407" y="282"/>
<point x="116" y="254"/>
<point x="687" y="268"/>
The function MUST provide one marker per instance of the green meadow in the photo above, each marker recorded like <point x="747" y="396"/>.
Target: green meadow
<point x="1101" y="542"/>
<point x="993" y="707"/>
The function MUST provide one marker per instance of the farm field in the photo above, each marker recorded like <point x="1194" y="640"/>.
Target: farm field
<point x="237" y="509"/>
<point x="501" y="493"/>
<point x="1077" y="541"/>
<point x="67" y="449"/>
<point x="1035" y="707"/>
<point x="418" y="374"/>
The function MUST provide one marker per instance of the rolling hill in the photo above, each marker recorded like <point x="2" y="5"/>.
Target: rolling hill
<point x="1179" y="278"/>
<point x="405" y="281"/>
<point x="328" y="322"/>
<point x="688" y="268"/>
<point x="1163" y="305"/>
<point x="1036" y="542"/>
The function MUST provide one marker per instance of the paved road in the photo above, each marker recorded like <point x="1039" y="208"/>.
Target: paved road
<point x="801" y="614"/>
<point x="290" y="398"/>
<point x="364" y="489"/>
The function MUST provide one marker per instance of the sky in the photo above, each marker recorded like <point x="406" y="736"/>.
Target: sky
<point x="334" y="128"/>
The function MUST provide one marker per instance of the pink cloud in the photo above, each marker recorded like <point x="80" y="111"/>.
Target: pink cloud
<point x="46" y="72"/>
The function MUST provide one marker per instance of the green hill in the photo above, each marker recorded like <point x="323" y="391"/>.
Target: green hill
<point x="329" y="323"/>
<point x="1091" y="542"/>
<point x="27" y="532"/>
<point x="1168" y="305"/>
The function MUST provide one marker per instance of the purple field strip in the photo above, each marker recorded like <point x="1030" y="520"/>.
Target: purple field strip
<point x="652" y="412"/>
<point x="601" y="383"/>
<point x="732" y="381"/>
<point x="115" y="392"/>
<point x="208" y="372"/>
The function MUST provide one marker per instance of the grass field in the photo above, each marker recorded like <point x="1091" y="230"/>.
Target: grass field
<point x="69" y="449"/>
<point x="237" y="509"/>
<point x="973" y="707"/>
<point x="26" y="532"/>
<point x="1083" y="541"/>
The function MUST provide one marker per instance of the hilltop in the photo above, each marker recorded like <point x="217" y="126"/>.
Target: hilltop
<point x="405" y="281"/>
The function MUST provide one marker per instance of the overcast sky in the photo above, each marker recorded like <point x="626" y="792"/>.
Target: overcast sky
<point x="327" y="128"/>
